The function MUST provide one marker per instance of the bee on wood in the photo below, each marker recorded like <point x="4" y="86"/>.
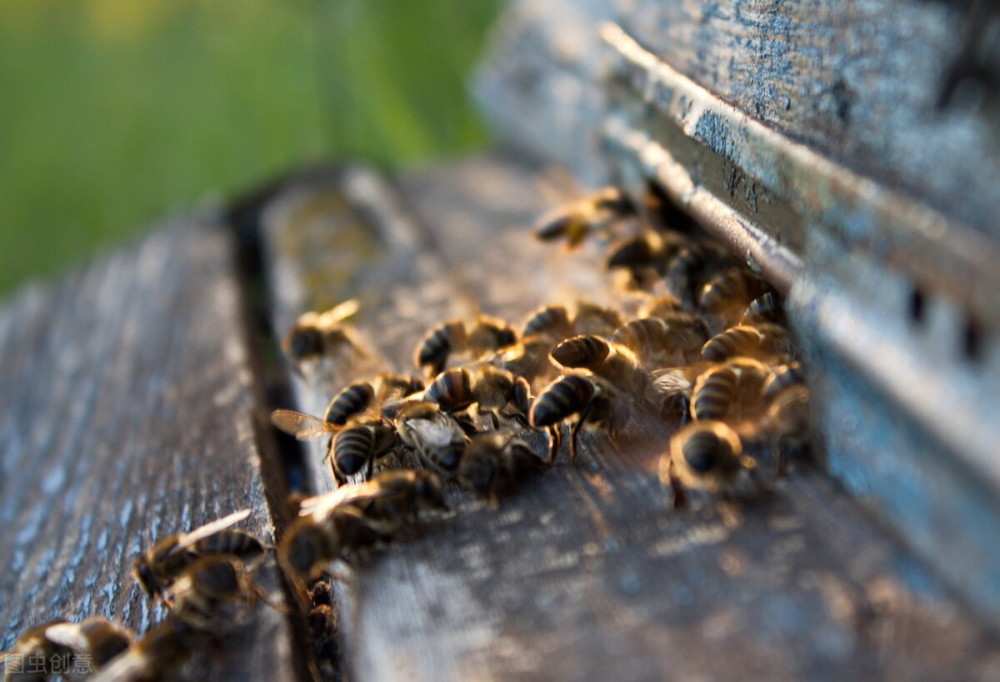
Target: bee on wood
<point x="765" y="308"/>
<point x="159" y="566"/>
<point x="786" y="422"/>
<point x="432" y="434"/>
<point x="483" y="336"/>
<point x="391" y="495"/>
<point x="308" y="546"/>
<point x="577" y="220"/>
<point x="341" y="523"/>
<point x="349" y="401"/>
<point x="725" y="296"/>
<point x="494" y="461"/>
<point x="730" y="392"/>
<point x="609" y="360"/>
<point x="320" y="336"/>
<point x="585" y="401"/>
<point x="354" y="445"/>
<point x="645" y="257"/>
<point x="208" y="595"/>
<point x="160" y="655"/>
<point x="497" y="393"/>
<point x="767" y="342"/>
<point x="705" y="455"/>
<point x="62" y="647"/>
<point x="668" y="341"/>
<point x="692" y="267"/>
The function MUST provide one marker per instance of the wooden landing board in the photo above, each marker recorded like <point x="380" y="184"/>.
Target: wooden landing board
<point x="584" y="572"/>
<point x="127" y="415"/>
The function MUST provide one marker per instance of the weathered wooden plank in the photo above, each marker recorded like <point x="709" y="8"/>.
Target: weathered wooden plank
<point x="585" y="572"/>
<point x="127" y="415"/>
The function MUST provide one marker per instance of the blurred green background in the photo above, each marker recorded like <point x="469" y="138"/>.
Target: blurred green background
<point x="116" y="112"/>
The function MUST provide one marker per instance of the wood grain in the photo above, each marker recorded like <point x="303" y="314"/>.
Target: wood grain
<point x="584" y="573"/>
<point x="126" y="416"/>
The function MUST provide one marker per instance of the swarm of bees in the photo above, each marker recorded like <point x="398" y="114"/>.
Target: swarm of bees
<point x="698" y="341"/>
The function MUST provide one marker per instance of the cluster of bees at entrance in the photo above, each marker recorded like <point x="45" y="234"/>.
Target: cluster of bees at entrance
<point x="698" y="344"/>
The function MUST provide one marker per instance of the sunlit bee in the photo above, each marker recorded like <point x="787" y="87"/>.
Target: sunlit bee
<point x="575" y="221"/>
<point x="157" y="568"/>
<point x="551" y="321"/>
<point x="767" y="342"/>
<point x="351" y="400"/>
<point x="592" y="318"/>
<point x="646" y="256"/>
<point x="668" y="341"/>
<point x="583" y="401"/>
<point x="663" y="305"/>
<point x="483" y="336"/>
<point x="494" y="461"/>
<point x="765" y="308"/>
<point x="390" y="495"/>
<point x="493" y="392"/>
<point x="782" y="378"/>
<point x="52" y="648"/>
<point x="161" y="654"/>
<point x="208" y="593"/>
<point x="607" y="359"/>
<point x="691" y="268"/>
<point x="731" y="392"/>
<point x="706" y="455"/>
<point x="363" y="440"/>
<point x="726" y="295"/>
<point x="310" y="544"/>
<point x="432" y="434"/>
<point x="316" y="336"/>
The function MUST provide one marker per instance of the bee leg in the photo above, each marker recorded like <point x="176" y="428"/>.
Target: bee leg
<point x="555" y="441"/>
<point x="573" y="431"/>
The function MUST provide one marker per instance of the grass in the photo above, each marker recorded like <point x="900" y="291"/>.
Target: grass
<point x="116" y="112"/>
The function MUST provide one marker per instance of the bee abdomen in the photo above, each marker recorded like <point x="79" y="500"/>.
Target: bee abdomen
<point x="452" y="390"/>
<point x="714" y="394"/>
<point x="767" y="308"/>
<point x="734" y="288"/>
<point x="709" y="447"/>
<point x="564" y="397"/>
<point x="230" y="541"/>
<point x="581" y="351"/>
<point x="740" y="340"/>
<point x="552" y="320"/>
<point x="352" y="448"/>
<point x="782" y="378"/>
<point x="349" y="402"/>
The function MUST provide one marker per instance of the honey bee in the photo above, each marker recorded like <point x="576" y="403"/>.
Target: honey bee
<point x="786" y="422"/>
<point x="551" y="321"/>
<point x="730" y="392"/>
<point x="391" y="495"/>
<point x="693" y="265"/>
<point x="609" y="360"/>
<point x="727" y="294"/>
<point x="577" y="220"/>
<point x="765" y="308"/>
<point x="159" y="655"/>
<point x="496" y="392"/>
<point x="354" y="445"/>
<point x="663" y="305"/>
<point x="435" y="436"/>
<point x="645" y="256"/>
<point x="668" y="341"/>
<point x="53" y="648"/>
<point x="349" y="401"/>
<point x="766" y="342"/>
<point x="343" y="522"/>
<point x="308" y="546"/>
<point x="484" y="335"/>
<point x="160" y="565"/>
<point x="208" y="593"/>
<point x="706" y="455"/>
<point x="493" y="461"/>
<point x="317" y="336"/>
<point x="587" y="401"/>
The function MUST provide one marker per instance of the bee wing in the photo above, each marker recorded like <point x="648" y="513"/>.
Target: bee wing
<point x="68" y="635"/>
<point x="301" y="425"/>
<point x="340" y="312"/>
<point x="320" y="506"/>
<point x="188" y="539"/>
